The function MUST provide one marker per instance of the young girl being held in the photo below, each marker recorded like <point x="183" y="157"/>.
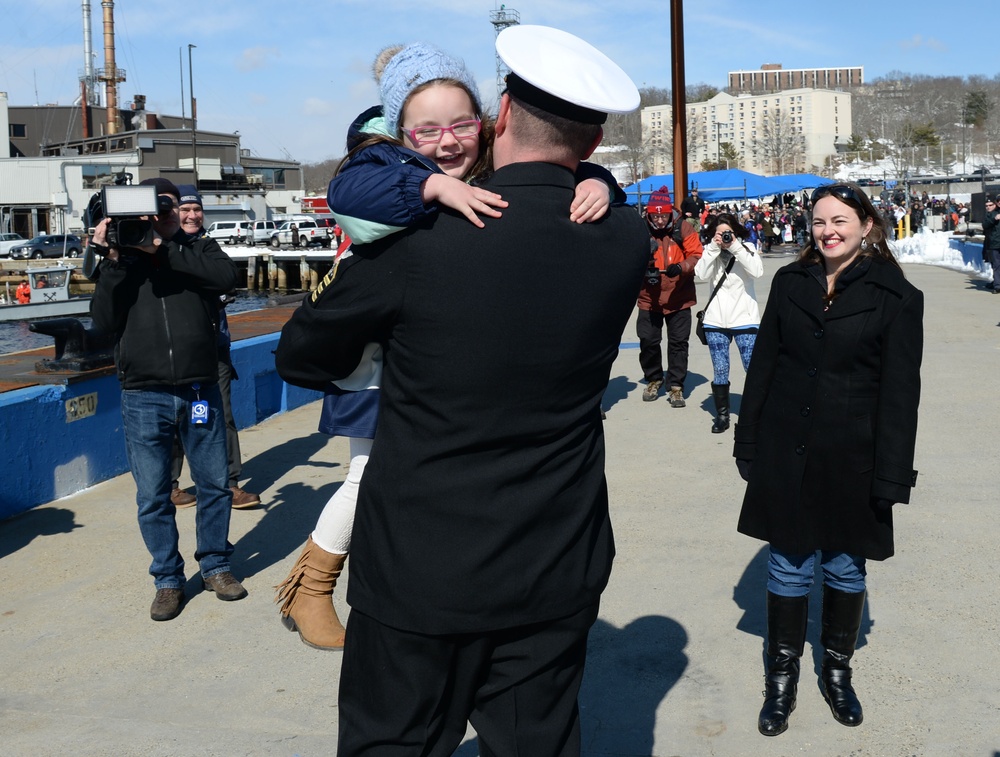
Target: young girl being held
<point x="415" y="154"/>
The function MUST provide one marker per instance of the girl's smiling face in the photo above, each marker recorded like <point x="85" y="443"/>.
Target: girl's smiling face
<point x="442" y="105"/>
<point x="837" y="230"/>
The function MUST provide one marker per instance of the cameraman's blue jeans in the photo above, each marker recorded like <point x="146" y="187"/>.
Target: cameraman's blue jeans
<point x="792" y="575"/>
<point x="152" y="416"/>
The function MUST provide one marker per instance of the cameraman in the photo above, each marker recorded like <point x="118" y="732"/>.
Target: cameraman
<point x="161" y="302"/>
<point x="666" y="298"/>
<point x="732" y="314"/>
<point x="192" y="218"/>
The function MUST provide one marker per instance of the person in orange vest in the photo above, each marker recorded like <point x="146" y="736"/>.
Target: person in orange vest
<point x="666" y="298"/>
<point x="23" y="292"/>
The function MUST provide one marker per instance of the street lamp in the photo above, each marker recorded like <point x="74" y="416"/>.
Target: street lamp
<point x="194" y="120"/>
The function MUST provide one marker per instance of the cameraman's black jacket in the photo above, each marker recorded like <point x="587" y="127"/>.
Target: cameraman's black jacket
<point x="164" y="310"/>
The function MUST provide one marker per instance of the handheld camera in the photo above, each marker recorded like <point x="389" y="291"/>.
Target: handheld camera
<point x="125" y="206"/>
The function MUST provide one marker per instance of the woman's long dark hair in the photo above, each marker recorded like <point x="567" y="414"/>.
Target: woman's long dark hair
<point x="855" y="198"/>
<point x="484" y="163"/>
<point x="730" y="220"/>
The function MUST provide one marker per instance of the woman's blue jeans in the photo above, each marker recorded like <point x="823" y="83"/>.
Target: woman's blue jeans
<point x="152" y="417"/>
<point x="791" y="575"/>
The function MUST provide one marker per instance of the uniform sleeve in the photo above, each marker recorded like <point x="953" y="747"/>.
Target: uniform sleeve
<point x="356" y="304"/>
<point x="899" y="396"/>
<point x="759" y="376"/>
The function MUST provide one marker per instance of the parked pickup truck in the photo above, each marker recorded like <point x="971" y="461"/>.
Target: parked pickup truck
<point x="308" y="233"/>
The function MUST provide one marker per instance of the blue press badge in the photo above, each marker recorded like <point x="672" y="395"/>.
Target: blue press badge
<point x="199" y="412"/>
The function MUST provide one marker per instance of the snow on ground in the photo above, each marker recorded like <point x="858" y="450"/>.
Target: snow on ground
<point x="932" y="248"/>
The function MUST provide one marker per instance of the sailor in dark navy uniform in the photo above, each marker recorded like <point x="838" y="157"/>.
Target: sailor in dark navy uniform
<point x="482" y="540"/>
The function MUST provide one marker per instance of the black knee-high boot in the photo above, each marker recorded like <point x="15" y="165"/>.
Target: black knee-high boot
<point x="841" y="623"/>
<point x="786" y="636"/>
<point x="720" y="393"/>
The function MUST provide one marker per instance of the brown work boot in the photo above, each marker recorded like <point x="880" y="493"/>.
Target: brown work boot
<point x="652" y="391"/>
<point x="307" y="598"/>
<point x="676" y="397"/>
<point x="181" y="499"/>
<point x="167" y="604"/>
<point x="225" y="586"/>
<point x="243" y="500"/>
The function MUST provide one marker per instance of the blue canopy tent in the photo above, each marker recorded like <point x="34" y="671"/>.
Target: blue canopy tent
<point x="713" y="186"/>
<point x="796" y="181"/>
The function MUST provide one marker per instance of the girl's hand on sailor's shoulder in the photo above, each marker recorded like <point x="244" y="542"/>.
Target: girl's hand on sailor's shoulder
<point x="456" y="194"/>
<point x="590" y="201"/>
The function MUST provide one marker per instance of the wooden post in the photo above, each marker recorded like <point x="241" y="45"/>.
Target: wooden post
<point x="272" y="275"/>
<point x="303" y="273"/>
<point x="252" y="273"/>
<point x="679" y="101"/>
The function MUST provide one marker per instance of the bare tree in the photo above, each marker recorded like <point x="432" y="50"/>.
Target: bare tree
<point x="779" y="144"/>
<point x="624" y="130"/>
<point x="700" y="92"/>
<point x="316" y="176"/>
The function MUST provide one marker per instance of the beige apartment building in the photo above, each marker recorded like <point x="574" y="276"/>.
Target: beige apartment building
<point x="793" y="131"/>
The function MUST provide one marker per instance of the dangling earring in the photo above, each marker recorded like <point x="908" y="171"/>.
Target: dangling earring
<point x="864" y="243"/>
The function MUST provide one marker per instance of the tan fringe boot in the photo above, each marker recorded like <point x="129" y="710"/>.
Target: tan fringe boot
<point x="306" y="598"/>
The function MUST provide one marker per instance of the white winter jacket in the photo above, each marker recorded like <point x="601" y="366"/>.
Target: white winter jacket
<point x="735" y="305"/>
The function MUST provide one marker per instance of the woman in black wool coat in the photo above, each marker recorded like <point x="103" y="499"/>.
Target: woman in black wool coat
<point x="826" y="436"/>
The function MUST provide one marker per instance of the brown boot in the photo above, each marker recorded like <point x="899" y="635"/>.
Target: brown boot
<point x="306" y="597"/>
<point x="181" y="498"/>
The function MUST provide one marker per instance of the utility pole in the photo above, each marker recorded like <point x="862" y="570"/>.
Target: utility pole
<point x="194" y="120"/>
<point x="680" y="100"/>
<point x="180" y="60"/>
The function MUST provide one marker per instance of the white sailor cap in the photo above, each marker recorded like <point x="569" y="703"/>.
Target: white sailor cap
<point x="563" y="75"/>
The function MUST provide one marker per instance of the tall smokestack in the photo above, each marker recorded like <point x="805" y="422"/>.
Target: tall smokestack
<point x="111" y="75"/>
<point x="88" y="52"/>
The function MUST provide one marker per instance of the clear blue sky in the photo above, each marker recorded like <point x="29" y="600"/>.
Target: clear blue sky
<point x="291" y="76"/>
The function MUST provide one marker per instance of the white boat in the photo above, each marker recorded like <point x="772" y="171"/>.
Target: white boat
<point x="50" y="297"/>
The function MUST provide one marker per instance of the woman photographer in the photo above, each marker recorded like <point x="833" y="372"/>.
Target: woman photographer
<point x="730" y="266"/>
<point x="826" y="436"/>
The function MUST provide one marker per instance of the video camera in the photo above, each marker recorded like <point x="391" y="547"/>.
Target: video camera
<point x="125" y="206"/>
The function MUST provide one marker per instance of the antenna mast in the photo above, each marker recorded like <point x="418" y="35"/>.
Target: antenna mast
<point x="501" y="19"/>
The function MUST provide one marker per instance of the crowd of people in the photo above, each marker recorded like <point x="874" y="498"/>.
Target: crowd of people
<point x="476" y="509"/>
<point x="785" y="219"/>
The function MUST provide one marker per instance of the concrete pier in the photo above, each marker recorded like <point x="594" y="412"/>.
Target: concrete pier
<point x="675" y="662"/>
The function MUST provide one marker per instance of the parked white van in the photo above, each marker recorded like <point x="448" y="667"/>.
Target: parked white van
<point x="230" y="231"/>
<point x="261" y="231"/>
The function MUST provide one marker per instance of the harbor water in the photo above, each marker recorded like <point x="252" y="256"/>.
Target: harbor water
<point x="15" y="336"/>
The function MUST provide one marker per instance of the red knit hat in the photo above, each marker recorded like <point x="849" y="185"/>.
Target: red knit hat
<point x="659" y="202"/>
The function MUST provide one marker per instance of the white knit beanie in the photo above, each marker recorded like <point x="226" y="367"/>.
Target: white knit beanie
<point x="410" y="67"/>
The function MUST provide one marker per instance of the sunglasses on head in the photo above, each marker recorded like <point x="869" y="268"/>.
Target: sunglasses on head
<point x="841" y="191"/>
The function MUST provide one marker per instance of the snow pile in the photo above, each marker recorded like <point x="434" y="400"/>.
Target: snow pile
<point x="932" y="248"/>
